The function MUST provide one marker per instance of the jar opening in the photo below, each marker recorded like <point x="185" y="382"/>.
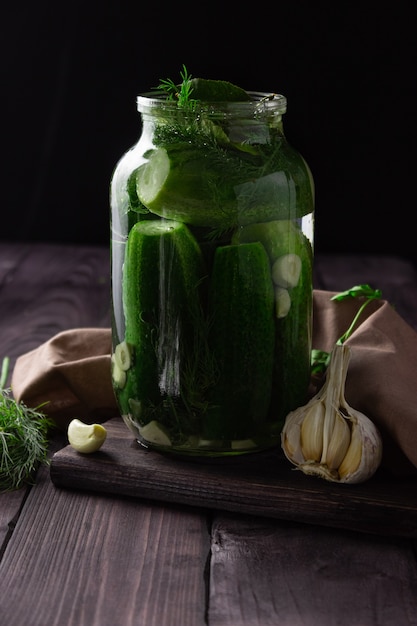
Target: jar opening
<point x="259" y="103"/>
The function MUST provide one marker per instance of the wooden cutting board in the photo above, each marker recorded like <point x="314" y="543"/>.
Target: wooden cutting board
<point x="263" y="484"/>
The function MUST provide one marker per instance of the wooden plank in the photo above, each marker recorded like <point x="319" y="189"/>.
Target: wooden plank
<point x="262" y="484"/>
<point x="12" y="502"/>
<point x="84" y="559"/>
<point x="10" y="506"/>
<point x="265" y="573"/>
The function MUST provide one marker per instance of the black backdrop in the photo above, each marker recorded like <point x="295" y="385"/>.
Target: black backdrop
<point x="71" y="74"/>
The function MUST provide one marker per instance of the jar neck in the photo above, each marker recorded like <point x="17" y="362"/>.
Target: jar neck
<point x="257" y="121"/>
<point x="260" y="104"/>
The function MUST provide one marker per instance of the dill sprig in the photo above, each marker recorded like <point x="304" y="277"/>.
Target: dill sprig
<point x="23" y="438"/>
<point x="182" y="92"/>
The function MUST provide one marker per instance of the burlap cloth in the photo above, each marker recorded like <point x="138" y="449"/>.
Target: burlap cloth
<point x="71" y="372"/>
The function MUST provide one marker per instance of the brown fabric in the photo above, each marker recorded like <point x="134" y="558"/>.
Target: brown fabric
<point x="382" y="375"/>
<point x="71" y="372"/>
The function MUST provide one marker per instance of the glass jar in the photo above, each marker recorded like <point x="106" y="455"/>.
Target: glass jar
<point x="212" y="216"/>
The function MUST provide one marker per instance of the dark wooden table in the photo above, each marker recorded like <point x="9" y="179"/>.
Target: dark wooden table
<point x="82" y="558"/>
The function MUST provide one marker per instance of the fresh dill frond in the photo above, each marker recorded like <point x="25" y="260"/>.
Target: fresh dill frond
<point x="182" y="92"/>
<point x="23" y="438"/>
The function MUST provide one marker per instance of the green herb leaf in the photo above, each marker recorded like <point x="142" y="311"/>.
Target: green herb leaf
<point x="181" y="92"/>
<point x="358" y="291"/>
<point x="320" y="359"/>
<point x="23" y="438"/>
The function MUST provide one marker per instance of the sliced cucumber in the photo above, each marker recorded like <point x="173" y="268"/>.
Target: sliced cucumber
<point x="134" y="203"/>
<point x="178" y="182"/>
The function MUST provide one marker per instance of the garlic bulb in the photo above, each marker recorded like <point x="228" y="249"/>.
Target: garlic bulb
<point x="327" y="437"/>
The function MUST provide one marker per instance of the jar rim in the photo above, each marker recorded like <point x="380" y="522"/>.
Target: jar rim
<point x="260" y="102"/>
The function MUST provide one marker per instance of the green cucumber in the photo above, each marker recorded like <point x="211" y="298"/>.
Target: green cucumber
<point x="293" y="334"/>
<point x="289" y="251"/>
<point x="208" y="90"/>
<point x="284" y="190"/>
<point x="287" y="248"/>
<point x="162" y="272"/>
<point x="178" y="182"/>
<point x="293" y="320"/>
<point x="279" y="237"/>
<point x="134" y="203"/>
<point x="241" y="304"/>
<point x="218" y="188"/>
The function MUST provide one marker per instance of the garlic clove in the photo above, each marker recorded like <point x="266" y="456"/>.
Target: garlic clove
<point x="291" y="444"/>
<point x="366" y="438"/>
<point x="339" y="442"/>
<point x="311" y="433"/>
<point x="286" y="270"/>
<point x="282" y="302"/>
<point x="122" y="355"/>
<point x="86" y="438"/>
<point x="118" y="374"/>
<point x="154" y="432"/>
<point x="121" y="361"/>
<point x="353" y="456"/>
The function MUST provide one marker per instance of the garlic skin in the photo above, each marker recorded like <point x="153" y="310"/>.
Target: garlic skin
<point x="327" y="437"/>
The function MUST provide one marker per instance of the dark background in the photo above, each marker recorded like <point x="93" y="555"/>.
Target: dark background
<point x="71" y="74"/>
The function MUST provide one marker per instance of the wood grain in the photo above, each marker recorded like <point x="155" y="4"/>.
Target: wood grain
<point x="265" y="573"/>
<point x="263" y="484"/>
<point x="80" y="557"/>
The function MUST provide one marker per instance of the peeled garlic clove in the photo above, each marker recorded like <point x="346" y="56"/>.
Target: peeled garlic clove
<point x="122" y="355"/>
<point x="286" y="270"/>
<point x="121" y="360"/>
<point x="118" y="375"/>
<point x="86" y="438"/>
<point x="154" y="432"/>
<point x="282" y="302"/>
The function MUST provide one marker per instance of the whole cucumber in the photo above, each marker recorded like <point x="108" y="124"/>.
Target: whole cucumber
<point x="162" y="272"/>
<point x="241" y="304"/>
